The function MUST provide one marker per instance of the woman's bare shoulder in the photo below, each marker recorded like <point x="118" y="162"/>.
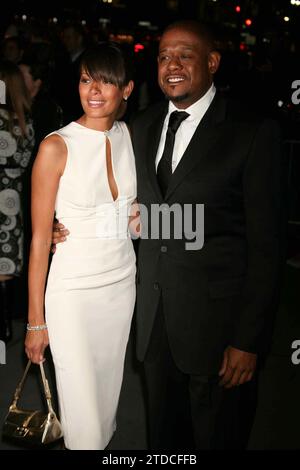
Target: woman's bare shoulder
<point x="53" y="144"/>
<point x="52" y="154"/>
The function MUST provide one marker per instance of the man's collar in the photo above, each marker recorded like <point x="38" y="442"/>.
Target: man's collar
<point x="197" y="109"/>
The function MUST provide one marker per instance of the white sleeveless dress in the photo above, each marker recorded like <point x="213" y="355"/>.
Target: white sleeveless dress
<point x="90" y="292"/>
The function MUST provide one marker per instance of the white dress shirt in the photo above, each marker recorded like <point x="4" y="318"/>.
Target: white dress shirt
<point x="186" y="129"/>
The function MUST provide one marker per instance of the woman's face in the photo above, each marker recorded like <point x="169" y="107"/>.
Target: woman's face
<point x="99" y="99"/>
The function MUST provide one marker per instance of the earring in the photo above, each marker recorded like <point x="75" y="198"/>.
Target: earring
<point x="125" y="98"/>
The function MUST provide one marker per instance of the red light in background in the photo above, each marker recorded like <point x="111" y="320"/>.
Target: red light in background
<point x="138" y="47"/>
<point x="248" y="22"/>
<point x="243" y="47"/>
<point x="238" y="9"/>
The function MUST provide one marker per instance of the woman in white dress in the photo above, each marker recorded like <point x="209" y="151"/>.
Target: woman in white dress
<point x="84" y="174"/>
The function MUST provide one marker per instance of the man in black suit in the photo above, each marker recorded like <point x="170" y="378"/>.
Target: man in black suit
<point x="202" y="313"/>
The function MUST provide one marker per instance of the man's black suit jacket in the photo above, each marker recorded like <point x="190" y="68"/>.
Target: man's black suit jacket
<point x="224" y="293"/>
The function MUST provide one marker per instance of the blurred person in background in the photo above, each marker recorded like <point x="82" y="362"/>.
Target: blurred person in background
<point x="16" y="145"/>
<point x="46" y="113"/>
<point x="73" y="40"/>
<point x="12" y="49"/>
<point x="46" y="116"/>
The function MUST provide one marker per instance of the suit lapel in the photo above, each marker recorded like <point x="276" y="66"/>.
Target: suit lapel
<point x="201" y="143"/>
<point x="153" y="140"/>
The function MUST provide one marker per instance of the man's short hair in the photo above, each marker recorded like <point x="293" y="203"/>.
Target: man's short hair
<point x="202" y="30"/>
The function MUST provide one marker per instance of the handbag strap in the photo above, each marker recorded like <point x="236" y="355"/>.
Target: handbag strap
<point x="20" y="385"/>
<point x="45" y="386"/>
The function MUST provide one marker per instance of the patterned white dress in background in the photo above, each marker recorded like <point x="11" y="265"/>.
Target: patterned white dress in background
<point x="15" y="154"/>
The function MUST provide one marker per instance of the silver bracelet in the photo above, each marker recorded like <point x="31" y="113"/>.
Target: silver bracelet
<point x="37" y="327"/>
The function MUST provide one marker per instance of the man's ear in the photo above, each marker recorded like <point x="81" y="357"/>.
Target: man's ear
<point x="128" y="90"/>
<point x="214" y="61"/>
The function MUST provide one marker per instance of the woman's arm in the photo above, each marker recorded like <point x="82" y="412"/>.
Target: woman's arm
<point x="47" y="170"/>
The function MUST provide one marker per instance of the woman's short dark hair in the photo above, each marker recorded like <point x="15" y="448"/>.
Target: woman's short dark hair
<point x="107" y="62"/>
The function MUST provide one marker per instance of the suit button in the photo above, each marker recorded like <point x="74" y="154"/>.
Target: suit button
<point x="156" y="286"/>
<point x="164" y="249"/>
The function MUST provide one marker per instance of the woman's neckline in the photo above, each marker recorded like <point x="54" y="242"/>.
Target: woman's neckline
<point x="94" y="130"/>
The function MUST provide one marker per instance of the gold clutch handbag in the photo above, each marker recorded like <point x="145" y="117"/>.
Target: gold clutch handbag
<point x="32" y="427"/>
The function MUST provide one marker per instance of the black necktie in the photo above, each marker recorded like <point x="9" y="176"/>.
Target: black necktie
<point x="164" y="169"/>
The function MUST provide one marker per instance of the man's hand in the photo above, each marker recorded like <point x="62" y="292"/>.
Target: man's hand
<point x="237" y="367"/>
<point x="135" y="221"/>
<point x="59" y="235"/>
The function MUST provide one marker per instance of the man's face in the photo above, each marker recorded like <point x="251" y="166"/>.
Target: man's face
<point x="185" y="67"/>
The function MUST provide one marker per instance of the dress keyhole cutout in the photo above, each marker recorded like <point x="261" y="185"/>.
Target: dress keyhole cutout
<point x="110" y="173"/>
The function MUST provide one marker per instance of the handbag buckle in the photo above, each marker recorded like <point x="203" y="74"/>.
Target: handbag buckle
<point x="21" y="432"/>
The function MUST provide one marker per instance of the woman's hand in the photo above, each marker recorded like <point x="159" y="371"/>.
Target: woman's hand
<point x="35" y="345"/>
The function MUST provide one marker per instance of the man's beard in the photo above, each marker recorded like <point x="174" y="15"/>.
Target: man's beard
<point x="177" y="99"/>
